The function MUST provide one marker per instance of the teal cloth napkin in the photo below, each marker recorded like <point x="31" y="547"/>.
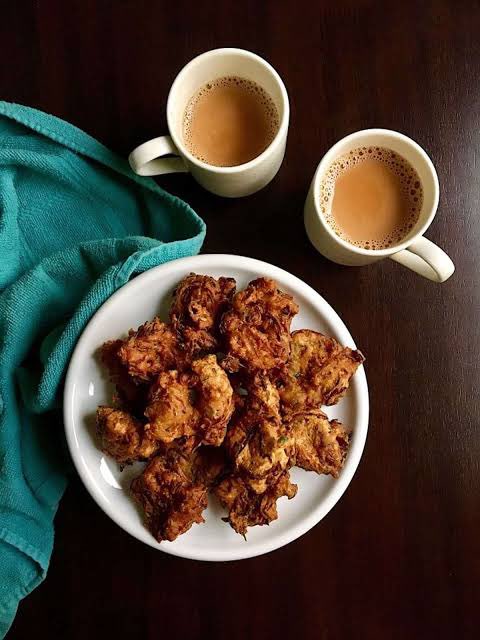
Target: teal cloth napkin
<point x="75" y="225"/>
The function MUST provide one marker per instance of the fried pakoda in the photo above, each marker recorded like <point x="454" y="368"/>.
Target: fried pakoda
<point x="320" y="445"/>
<point x="204" y="465"/>
<point x="214" y="400"/>
<point x="184" y="445"/>
<point x="128" y="395"/>
<point x="257" y="327"/>
<point x="235" y="428"/>
<point x="318" y="371"/>
<point x="247" y="508"/>
<point x="170" y="410"/>
<point x="170" y="497"/>
<point x="257" y="442"/>
<point x="197" y="306"/>
<point x="150" y="350"/>
<point x="198" y="404"/>
<point x="123" y="437"/>
<point x="263" y="397"/>
<point x="265" y="455"/>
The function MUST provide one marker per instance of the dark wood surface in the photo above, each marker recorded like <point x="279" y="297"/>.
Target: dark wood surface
<point x="399" y="556"/>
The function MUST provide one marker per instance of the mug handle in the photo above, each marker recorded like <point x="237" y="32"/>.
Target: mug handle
<point x="426" y="259"/>
<point x="146" y="160"/>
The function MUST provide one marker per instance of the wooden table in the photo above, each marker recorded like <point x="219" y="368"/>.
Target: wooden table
<point x="399" y="556"/>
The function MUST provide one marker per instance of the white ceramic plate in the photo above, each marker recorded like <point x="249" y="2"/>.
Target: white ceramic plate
<point x="86" y="387"/>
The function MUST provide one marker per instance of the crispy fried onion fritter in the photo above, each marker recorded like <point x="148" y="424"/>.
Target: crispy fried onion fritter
<point x="198" y="404"/>
<point x="123" y="437"/>
<point x="319" y="444"/>
<point x="214" y="400"/>
<point x="197" y="306"/>
<point x="170" y="410"/>
<point x="128" y="395"/>
<point x="257" y="327"/>
<point x="171" y="498"/>
<point x="257" y="442"/>
<point x="318" y="371"/>
<point x="150" y="350"/>
<point x="247" y="508"/>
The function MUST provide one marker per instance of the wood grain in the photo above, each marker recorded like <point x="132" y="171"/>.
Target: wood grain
<point x="399" y="555"/>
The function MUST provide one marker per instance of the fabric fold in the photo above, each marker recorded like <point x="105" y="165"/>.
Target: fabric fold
<point x="75" y="225"/>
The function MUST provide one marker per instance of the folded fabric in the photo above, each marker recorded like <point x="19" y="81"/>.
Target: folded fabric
<point x="75" y="225"/>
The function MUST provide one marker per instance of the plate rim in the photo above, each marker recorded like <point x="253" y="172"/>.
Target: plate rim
<point x="297" y="529"/>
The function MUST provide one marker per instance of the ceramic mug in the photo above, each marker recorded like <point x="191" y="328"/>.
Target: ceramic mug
<point x="414" y="251"/>
<point x="241" y="180"/>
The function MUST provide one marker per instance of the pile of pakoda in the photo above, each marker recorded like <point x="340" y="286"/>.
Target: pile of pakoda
<point x="223" y="399"/>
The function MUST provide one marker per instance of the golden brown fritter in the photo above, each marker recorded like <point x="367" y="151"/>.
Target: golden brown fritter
<point x="260" y="402"/>
<point x="170" y="410"/>
<point x="257" y="327"/>
<point x="128" y="395"/>
<point x="214" y="400"/>
<point x="319" y="444"/>
<point x="246" y="508"/>
<point x="123" y="437"/>
<point x="149" y="350"/>
<point x="265" y="455"/>
<point x="257" y="442"/>
<point x="198" y="404"/>
<point x="197" y="306"/>
<point x="262" y="396"/>
<point x="318" y="371"/>
<point x="171" y="499"/>
<point x="184" y="445"/>
<point x="203" y="465"/>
